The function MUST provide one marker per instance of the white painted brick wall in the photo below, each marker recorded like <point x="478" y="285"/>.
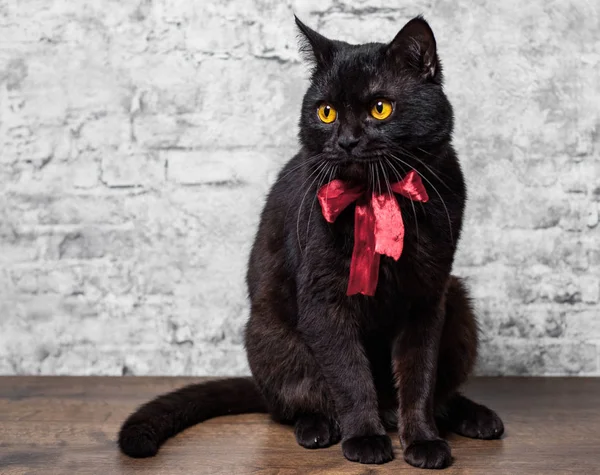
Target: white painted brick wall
<point x="138" y="139"/>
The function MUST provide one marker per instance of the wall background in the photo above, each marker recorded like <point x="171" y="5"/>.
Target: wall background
<point x="138" y="139"/>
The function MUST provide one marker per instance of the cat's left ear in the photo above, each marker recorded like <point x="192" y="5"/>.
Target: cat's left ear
<point x="314" y="46"/>
<point x="415" y="47"/>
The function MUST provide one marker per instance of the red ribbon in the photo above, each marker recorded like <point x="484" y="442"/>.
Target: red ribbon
<point x="378" y="226"/>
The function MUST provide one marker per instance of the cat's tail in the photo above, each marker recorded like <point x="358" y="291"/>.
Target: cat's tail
<point x="152" y="424"/>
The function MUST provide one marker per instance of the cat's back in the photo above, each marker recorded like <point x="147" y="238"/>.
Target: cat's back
<point x="282" y="196"/>
<point x="268" y="255"/>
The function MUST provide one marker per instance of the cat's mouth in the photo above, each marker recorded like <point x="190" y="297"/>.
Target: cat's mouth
<point x="347" y="160"/>
<point x="373" y="171"/>
<point x="362" y="160"/>
<point x="357" y="171"/>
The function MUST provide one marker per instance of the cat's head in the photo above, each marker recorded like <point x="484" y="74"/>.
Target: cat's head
<point x="366" y="102"/>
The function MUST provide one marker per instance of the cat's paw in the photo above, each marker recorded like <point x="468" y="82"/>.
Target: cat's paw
<point x="480" y="423"/>
<point x="368" y="449"/>
<point x="470" y="419"/>
<point x="428" y="454"/>
<point x="315" y="431"/>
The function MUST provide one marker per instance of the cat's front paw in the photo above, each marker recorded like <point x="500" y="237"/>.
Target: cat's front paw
<point x="368" y="449"/>
<point x="428" y="454"/>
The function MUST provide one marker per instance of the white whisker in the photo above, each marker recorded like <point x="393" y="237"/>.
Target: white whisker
<point x="388" y="185"/>
<point x="411" y="203"/>
<point x="411" y="155"/>
<point x="303" y="163"/>
<point x="437" y="192"/>
<point x="405" y="172"/>
<point x="319" y="169"/>
<point x="321" y="176"/>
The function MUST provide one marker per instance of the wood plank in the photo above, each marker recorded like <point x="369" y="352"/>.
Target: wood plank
<point x="63" y="425"/>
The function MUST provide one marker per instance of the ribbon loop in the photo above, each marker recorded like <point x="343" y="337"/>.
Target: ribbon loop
<point x="378" y="225"/>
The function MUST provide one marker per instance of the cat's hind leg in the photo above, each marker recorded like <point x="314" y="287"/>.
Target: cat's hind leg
<point x="467" y="418"/>
<point x="458" y="351"/>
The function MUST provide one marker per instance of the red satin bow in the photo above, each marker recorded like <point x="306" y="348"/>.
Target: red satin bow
<point x="378" y="226"/>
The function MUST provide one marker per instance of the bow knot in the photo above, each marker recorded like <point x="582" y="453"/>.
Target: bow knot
<point x="378" y="225"/>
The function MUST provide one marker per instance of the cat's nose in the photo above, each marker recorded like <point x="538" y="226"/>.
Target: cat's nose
<point x="348" y="142"/>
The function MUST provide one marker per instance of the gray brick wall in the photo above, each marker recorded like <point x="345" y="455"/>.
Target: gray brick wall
<point x="138" y="139"/>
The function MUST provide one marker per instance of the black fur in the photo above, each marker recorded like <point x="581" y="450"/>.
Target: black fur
<point x="348" y="367"/>
<point x="145" y="430"/>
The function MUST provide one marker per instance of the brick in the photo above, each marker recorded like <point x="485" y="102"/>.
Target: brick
<point x="35" y="93"/>
<point x="56" y="177"/>
<point x="16" y="246"/>
<point x="574" y="253"/>
<point x="34" y="279"/>
<point x="233" y="166"/>
<point x="78" y="245"/>
<point x="131" y="168"/>
<point x="533" y="322"/>
<point x="590" y="288"/>
<point x="581" y="324"/>
<point x="88" y="243"/>
<point x="50" y="209"/>
<point x="104" y="130"/>
<point x="85" y="175"/>
<point x="173" y="88"/>
<point x="170" y="360"/>
<point x="570" y="358"/>
<point x="35" y="147"/>
<point x="81" y="360"/>
<point x="215" y="32"/>
<point x="542" y="284"/>
<point x="133" y="175"/>
<point x="156" y="131"/>
<point x="479" y="245"/>
<point x="576" y="218"/>
<point x="576" y="177"/>
<point x="523" y="358"/>
<point x="156" y="279"/>
<point x="270" y="119"/>
<point x="593" y="215"/>
<point x="192" y="169"/>
<point x="307" y="7"/>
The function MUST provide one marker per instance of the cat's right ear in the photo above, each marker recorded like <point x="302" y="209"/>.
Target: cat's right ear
<point x="415" y="47"/>
<point x="314" y="47"/>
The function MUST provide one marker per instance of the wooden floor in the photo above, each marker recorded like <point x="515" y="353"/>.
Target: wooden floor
<point x="60" y="425"/>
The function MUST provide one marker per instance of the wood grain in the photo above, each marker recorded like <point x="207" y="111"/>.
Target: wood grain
<point x="66" y="425"/>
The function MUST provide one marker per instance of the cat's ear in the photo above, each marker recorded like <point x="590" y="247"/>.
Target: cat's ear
<point x="314" y="47"/>
<point x="415" y="46"/>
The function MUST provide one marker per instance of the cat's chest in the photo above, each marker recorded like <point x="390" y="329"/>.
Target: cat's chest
<point x="424" y="264"/>
<point x="419" y="238"/>
<point x="424" y="255"/>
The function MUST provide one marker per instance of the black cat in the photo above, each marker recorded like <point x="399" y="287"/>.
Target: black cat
<point x="344" y="341"/>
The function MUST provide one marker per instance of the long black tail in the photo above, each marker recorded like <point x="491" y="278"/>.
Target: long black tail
<point x="152" y="424"/>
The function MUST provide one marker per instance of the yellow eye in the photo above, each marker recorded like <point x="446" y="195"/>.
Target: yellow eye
<point x="382" y="109"/>
<point x="327" y="113"/>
